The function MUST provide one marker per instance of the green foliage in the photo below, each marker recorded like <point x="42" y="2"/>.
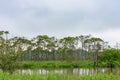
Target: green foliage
<point x="8" y="62"/>
<point x="6" y="76"/>
<point x="10" y="49"/>
<point x="110" y="57"/>
<point x="55" y="64"/>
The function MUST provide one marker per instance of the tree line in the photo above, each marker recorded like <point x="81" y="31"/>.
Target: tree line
<point x="43" y="47"/>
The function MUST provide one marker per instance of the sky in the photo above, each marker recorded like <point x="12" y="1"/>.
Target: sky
<point x="60" y="18"/>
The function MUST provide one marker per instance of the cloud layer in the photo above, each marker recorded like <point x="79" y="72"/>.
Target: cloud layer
<point x="60" y="17"/>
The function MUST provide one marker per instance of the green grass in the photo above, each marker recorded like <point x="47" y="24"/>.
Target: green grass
<point x="55" y="64"/>
<point x="6" y="76"/>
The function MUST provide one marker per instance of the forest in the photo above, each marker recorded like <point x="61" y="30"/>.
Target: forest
<point x="84" y="51"/>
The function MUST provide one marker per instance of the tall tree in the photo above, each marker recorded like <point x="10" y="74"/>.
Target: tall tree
<point x="68" y="45"/>
<point x="9" y="53"/>
<point x="96" y="47"/>
<point x="82" y="39"/>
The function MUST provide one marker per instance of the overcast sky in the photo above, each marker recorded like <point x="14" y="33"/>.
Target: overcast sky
<point x="59" y="18"/>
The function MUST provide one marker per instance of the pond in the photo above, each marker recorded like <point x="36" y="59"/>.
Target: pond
<point x="77" y="71"/>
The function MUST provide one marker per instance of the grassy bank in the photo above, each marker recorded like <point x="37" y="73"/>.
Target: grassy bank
<point x="55" y="64"/>
<point x="6" y="76"/>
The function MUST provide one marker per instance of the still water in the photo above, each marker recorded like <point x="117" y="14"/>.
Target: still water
<point x="78" y="71"/>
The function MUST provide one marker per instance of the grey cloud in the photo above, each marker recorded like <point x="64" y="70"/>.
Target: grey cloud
<point x="62" y="16"/>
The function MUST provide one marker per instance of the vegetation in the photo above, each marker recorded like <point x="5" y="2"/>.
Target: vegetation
<point x="6" y="76"/>
<point x="49" y="52"/>
<point x="9" y="52"/>
<point x="110" y="58"/>
<point x="55" y="64"/>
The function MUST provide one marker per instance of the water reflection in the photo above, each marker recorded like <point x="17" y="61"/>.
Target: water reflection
<point x="78" y="71"/>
